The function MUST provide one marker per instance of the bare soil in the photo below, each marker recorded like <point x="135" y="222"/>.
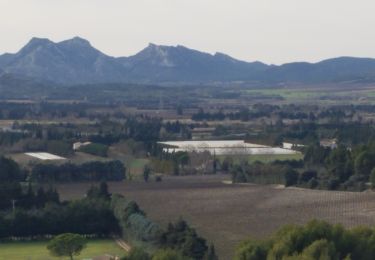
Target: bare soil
<point x="226" y="214"/>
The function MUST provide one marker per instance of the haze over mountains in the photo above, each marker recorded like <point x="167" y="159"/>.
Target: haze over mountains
<point x="75" y="61"/>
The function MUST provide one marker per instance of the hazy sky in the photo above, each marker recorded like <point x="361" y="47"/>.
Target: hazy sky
<point x="273" y="31"/>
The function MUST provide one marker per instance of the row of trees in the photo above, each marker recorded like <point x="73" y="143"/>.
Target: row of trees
<point x="341" y="168"/>
<point x="274" y="173"/>
<point x="178" y="240"/>
<point x="90" y="171"/>
<point x="13" y="194"/>
<point x="89" y="216"/>
<point x="294" y="112"/>
<point x="133" y="221"/>
<point x="165" y="254"/>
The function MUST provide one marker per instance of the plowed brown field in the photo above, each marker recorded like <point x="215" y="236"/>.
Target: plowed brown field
<point x="228" y="213"/>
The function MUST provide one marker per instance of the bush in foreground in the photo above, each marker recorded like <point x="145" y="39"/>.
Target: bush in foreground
<point x="315" y="240"/>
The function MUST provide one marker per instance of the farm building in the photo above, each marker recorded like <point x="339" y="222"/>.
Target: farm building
<point x="78" y="145"/>
<point x="223" y="147"/>
<point x="291" y="145"/>
<point x="45" y="156"/>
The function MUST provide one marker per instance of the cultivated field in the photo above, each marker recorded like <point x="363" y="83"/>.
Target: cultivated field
<point x="38" y="250"/>
<point x="226" y="214"/>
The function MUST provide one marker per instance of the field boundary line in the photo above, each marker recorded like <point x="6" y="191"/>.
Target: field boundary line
<point x="123" y="244"/>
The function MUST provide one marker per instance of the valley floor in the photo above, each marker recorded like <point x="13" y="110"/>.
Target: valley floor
<point x="225" y="214"/>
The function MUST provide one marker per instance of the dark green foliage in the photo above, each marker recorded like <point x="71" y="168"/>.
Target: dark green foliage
<point x="316" y="240"/>
<point x="364" y="162"/>
<point x="291" y="177"/>
<point x="133" y="221"/>
<point x="252" y="250"/>
<point x="211" y="253"/>
<point x="316" y="155"/>
<point x="95" y="149"/>
<point x="372" y="178"/>
<point x="264" y="174"/>
<point x="181" y="237"/>
<point x="340" y="164"/>
<point x="59" y="147"/>
<point x="306" y="176"/>
<point x="312" y="183"/>
<point x="100" y="192"/>
<point x="201" y="115"/>
<point x="146" y="173"/>
<point x="169" y="254"/>
<point x="137" y="253"/>
<point x="41" y="213"/>
<point x="9" y="171"/>
<point x="179" y="159"/>
<point x="90" y="171"/>
<point x="340" y="168"/>
<point x="9" y="138"/>
<point x="11" y="191"/>
<point x="66" y="245"/>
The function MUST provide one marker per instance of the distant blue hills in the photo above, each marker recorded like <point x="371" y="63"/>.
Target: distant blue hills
<point x="76" y="61"/>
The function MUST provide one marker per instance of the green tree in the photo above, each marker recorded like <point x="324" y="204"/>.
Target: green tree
<point x="169" y="254"/>
<point x="320" y="250"/>
<point x="372" y="178"/>
<point x="251" y="250"/>
<point x="181" y="237"/>
<point x="291" y="177"/>
<point x="146" y="173"/>
<point x="364" y="163"/>
<point x="137" y="253"/>
<point x="317" y="240"/>
<point x="67" y="244"/>
<point x="211" y="253"/>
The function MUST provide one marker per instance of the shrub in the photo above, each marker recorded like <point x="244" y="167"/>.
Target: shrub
<point x="306" y="176"/>
<point x="137" y="253"/>
<point x="291" y="177"/>
<point x="95" y="149"/>
<point x="169" y="254"/>
<point x="312" y="184"/>
<point x="372" y="178"/>
<point x="315" y="240"/>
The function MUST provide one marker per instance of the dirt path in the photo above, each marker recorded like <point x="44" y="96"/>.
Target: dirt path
<point x="123" y="244"/>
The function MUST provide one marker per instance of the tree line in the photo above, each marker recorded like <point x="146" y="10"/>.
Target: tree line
<point x="179" y="239"/>
<point x="90" y="216"/>
<point x="89" y="171"/>
<point x="340" y="168"/>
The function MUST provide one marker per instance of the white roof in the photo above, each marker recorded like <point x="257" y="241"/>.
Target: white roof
<point x="212" y="144"/>
<point x="45" y="156"/>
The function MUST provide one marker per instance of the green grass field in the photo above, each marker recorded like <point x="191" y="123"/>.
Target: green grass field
<point x="38" y="250"/>
<point x="266" y="158"/>
<point x="274" y="157"/>
<point x="324" y="95"/>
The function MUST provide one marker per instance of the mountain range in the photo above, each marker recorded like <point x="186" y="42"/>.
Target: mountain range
<point x="76" y="61"/>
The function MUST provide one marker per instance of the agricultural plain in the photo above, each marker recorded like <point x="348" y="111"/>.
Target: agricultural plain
<point x="226" y="213"/>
